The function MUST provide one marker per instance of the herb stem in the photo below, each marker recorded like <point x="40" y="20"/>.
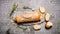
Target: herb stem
<point x="15" y="5"/>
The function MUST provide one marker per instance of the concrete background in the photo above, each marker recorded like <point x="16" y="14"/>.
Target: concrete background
<point x="52" y="7"/>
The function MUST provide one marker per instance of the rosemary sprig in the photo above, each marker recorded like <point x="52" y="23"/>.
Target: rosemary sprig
<point x="23" y="28"/>
<point x="15" y="5"/>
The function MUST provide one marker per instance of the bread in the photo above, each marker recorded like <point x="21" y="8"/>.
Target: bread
<point x="34" y="16"/>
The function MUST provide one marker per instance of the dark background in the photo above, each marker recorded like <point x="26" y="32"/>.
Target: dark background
<point x="51" y="6"/>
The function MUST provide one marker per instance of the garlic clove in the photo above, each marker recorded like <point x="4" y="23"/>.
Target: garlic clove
<point x="48" y="25"/>
<point x="46" y="16"/>
<point x="42" y="9"/>
<point x="37" y="27"/>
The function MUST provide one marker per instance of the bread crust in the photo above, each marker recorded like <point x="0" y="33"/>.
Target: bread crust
<point x="34" y="16"/>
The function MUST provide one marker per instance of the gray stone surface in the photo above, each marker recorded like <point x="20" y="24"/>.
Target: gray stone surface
<point x="52" y="7"/>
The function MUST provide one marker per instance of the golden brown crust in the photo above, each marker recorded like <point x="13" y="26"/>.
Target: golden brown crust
<point x="34" y="16"/>
<point x="39" y="15"/>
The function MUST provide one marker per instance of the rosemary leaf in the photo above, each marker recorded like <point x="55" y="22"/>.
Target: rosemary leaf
<point x="23" y="28"/>
<point x="26" y="7"/>
<point x="15" y="5"/>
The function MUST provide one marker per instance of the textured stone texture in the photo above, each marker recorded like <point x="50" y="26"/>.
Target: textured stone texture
<point x="52" y="7"/>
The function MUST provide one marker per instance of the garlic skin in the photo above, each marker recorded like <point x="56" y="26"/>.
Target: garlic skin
<point x="46" y="16"/>
<point x="48" y="25"/>
<point x="37" y="27"/>
<point x="42" y="9"/>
